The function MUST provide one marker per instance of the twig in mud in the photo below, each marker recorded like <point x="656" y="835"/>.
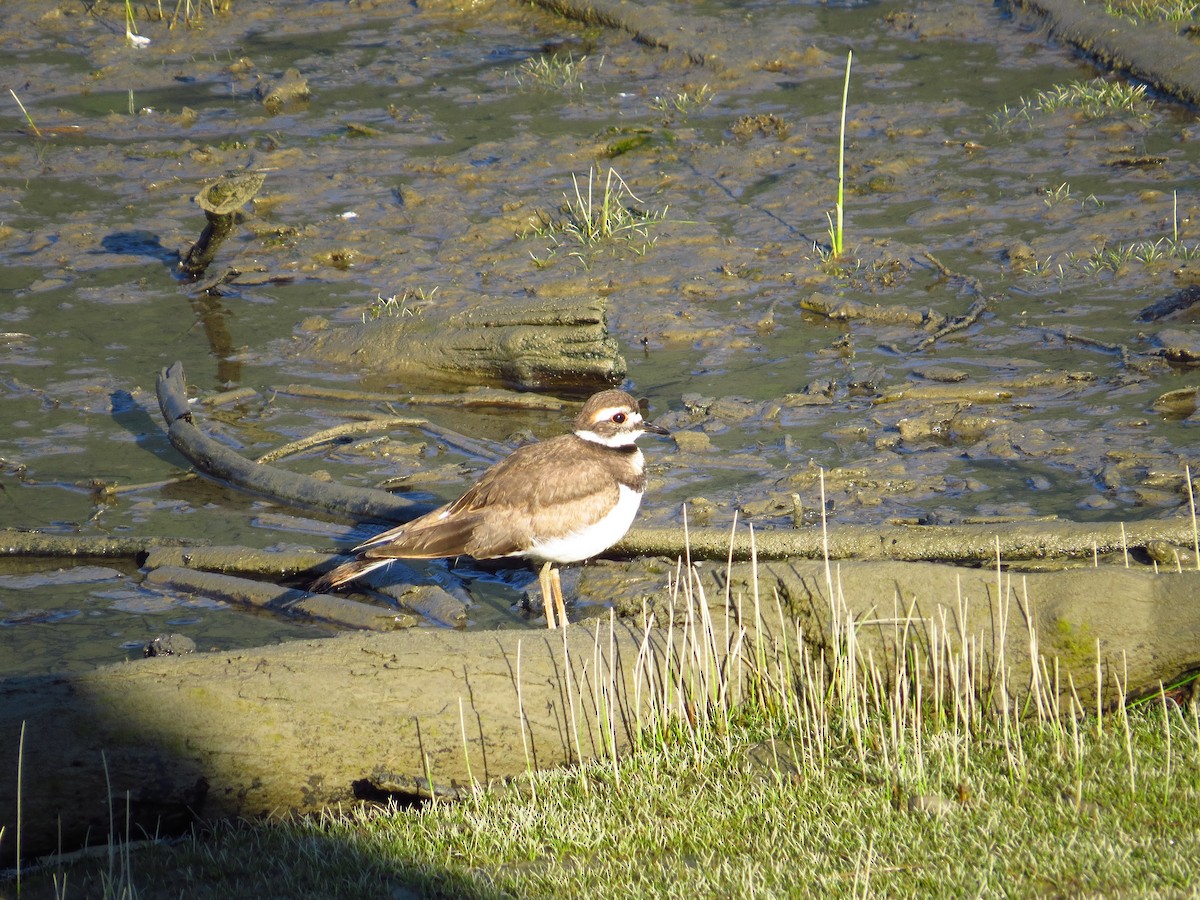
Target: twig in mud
<point x="227" y="397"/>
<point x="148" y="485"/>
<point x="496" y="397"/>
<point x="973" y="314"/>
<point x="969" y="280"/>
<point x="1129" y="358"/>
<point x="339" y="431"/>
<point x="465" y="444"/>
<point x="970" y="317"/>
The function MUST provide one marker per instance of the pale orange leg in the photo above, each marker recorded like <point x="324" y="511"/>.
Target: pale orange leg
<point x="544" y="579"/>
<point x="556" y="586"/>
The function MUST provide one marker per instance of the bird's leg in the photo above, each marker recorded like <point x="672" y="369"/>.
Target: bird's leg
<point x="556" y="586"/>
<point x="547" y="598"/>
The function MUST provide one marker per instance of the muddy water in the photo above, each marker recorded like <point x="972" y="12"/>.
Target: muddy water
<point x="422" y="160"/>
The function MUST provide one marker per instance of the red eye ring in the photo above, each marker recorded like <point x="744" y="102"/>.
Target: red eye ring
<point x="619" y="418"/>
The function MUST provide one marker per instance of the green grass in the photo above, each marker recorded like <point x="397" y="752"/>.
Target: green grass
<point x="1180" y="12"/>
<point x="598" y="216"/>
<point x="25" y="112"/>
<point x="677" y="107"/>
<point x="1092" y="99"/>
<point x="560" y="73"/>
<point x="1150" y="254"/>
<point x="1094" y="808"/>
<point x="408" y="303"/>
<point x="1116" y="258"/>
<point x="837" y="244"/>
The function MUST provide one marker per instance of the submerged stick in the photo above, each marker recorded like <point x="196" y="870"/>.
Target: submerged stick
<point x="271" y="597"/>
<point x="218" y="461"/>
<point x="33" y="543"/>
<point x="220" y="201"/>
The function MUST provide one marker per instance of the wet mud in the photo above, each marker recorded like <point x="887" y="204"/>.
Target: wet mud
<point x="976" y="355"/>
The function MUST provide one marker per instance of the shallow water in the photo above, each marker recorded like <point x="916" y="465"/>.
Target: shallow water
<point x="421" y="157"/>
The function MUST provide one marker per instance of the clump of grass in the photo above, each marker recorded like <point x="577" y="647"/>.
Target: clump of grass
<point x="1096" y="97"/>
<point x="398" y="305"/>
<point x="1149" y="253"/>
<point x="765" y="124"/>
<point x="1093" y="99"/>
<point x="681" y="104"/>
<point x="1139" y="11"/>
<point x="555" y="72"/>
<point x="1060" y="194"/>
<point x="595" y="216"/>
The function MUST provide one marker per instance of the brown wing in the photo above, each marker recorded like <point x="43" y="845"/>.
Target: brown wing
<point x="519" y="500"/>
<point x="541" y="490"/>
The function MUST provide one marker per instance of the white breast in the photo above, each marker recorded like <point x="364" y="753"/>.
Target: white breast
<point x="589" y="541"/>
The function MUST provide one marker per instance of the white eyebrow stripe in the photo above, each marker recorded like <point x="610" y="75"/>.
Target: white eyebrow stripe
<point x="609" y="411"/>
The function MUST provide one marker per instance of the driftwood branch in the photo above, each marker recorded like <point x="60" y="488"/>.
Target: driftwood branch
<point x="32" y="543"/>
<point x="273" y="598"/>
<point x="337" y="433"/>
<point x="223" y="464"/>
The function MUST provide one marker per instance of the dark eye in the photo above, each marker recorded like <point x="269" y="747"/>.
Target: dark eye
<point x="619" y="418"/>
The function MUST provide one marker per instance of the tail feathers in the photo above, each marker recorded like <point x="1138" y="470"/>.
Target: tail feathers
<point x="345" y="573"/>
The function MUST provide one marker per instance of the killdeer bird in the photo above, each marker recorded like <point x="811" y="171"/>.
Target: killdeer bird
<point x="558" y="501"/>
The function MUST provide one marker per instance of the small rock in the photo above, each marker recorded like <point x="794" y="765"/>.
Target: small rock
<point x="169" y="645"/>
<point x="1180" y="345"/>
<point x="1170" y="556"/>
<point x="289" y="88"/>
<point x="692" y="441"/>
<point x="942" y="374"/>
<point x="1181" y="402"/>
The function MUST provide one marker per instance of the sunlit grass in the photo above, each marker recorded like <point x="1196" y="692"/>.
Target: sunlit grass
<point x="597" y="215"/>
<point x="1158" y="252"/>
<point x="408" y="303"/>
<point x="679" y="105"/>
<point x="25" y="113"/>
<point x="555" y="72"/>
<point x="189" y="12"/>
<point x="1115" y="258"/>
<point x="1138" y="11"/>
<point x="1091" y="99"/>
<point x="837" y="245"/>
